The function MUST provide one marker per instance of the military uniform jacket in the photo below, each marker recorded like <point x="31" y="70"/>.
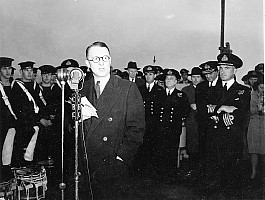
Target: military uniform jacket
<point x="7" y="120"/>
<point x="52" y="98"/>
<point x="23" y="107"/>
<point x="172" y="110"/>
<point x="151" y="100"/>
<point x="205" y="95"/>
<point x="119" y="128"/>
<point x="239" y="96"/>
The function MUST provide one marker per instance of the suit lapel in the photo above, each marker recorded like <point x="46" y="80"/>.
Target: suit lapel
<point x="105" y="102"/>
<point x="87" y="91"/>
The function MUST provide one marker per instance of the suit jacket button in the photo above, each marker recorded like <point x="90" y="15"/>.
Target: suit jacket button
<point x="105" y="139"/>
<point x="110" y="119"/>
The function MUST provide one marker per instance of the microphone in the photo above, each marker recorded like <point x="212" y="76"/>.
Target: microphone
<point x="75" y="76"/>
<point x="72" y="75"/>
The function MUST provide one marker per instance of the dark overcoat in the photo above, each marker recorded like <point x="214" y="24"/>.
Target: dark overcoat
<point x="118" y="130"/>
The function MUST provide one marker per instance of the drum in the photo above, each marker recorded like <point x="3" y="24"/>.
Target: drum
<point x="31" y="183"/>
<point x="8" y="190"/>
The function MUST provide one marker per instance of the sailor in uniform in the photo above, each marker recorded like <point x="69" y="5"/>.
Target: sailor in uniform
<point x="27" y="103"/>
<point x="7" y="119"/>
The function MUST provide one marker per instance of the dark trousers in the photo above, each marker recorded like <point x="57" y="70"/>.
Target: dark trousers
<point x="167" y="151"/>
<point x="224" y="155"/>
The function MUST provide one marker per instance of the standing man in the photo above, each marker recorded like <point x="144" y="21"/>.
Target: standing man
<point x="204" y="98"/>
<point x="51" y="93"/>
<point x="173" y="110"/>
<point x="152" y="95"/>
<point x="26" y="100"/>
<point x="132" y="70"/>
<point x="192" y="131"/>
<point x="7" y="119"/>
<point x="113" y="137"/>
<point x="230" y="114"/>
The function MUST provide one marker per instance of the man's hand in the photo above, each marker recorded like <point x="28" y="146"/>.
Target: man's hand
<point x="193" y="106"/>
<point x="45" y="122"/>
<point x="228" y="109"/>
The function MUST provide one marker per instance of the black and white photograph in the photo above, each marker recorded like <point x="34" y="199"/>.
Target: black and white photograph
<point x="132" y="100"/>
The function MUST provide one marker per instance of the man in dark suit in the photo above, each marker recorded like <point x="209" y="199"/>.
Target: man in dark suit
<point x="192" y="132"/>
<point x="132" y="70"/>
<point x="230" y="115"/>
<point x="152" y="95"/>
<point x="112" y="138"/>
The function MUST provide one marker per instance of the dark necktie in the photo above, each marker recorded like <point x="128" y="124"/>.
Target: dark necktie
<point x="225" y="87"/>
<point x="148" y="87"/>
<point x="133" y="80"/>
<point x="97" y="88"/>
<point x="168" y="94"/>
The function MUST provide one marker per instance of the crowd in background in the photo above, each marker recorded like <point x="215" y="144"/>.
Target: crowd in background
<point x="31" y="116"/>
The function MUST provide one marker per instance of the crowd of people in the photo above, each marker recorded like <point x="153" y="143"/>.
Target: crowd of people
<point x="138" y="121"/>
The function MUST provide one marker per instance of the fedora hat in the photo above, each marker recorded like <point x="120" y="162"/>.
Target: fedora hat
<point x="132" y="65"/>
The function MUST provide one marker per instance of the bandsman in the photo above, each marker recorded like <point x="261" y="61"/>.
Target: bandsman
<point x="51" y="94"/>
<point x="26" y="100"/>
<point x="7" y="119"/>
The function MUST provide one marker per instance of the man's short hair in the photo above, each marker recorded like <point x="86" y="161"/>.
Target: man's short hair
<point x="97" y="44"/>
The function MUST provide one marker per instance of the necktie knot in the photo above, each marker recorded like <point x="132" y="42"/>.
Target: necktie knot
<point x="168" y="93"/>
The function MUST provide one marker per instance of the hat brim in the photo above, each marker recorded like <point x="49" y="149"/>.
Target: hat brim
<point x="132" y="68"/>
<point x="208" y="71"/>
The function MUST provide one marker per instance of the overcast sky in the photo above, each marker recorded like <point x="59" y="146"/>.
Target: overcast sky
<point x="180" y="33"/>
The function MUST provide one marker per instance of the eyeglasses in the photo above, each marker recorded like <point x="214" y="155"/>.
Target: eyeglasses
<point x="96" y="59"/>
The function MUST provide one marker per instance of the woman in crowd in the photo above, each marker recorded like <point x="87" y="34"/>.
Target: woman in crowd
<point x="256" y="134"/>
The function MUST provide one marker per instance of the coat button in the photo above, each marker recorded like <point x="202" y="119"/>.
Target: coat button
<point x="105" y="139"/>
<point x="110" y="119"/>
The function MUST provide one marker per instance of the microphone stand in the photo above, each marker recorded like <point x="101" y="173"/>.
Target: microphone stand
<point x="77" y="116"/>
<point x="62" y="185"/>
